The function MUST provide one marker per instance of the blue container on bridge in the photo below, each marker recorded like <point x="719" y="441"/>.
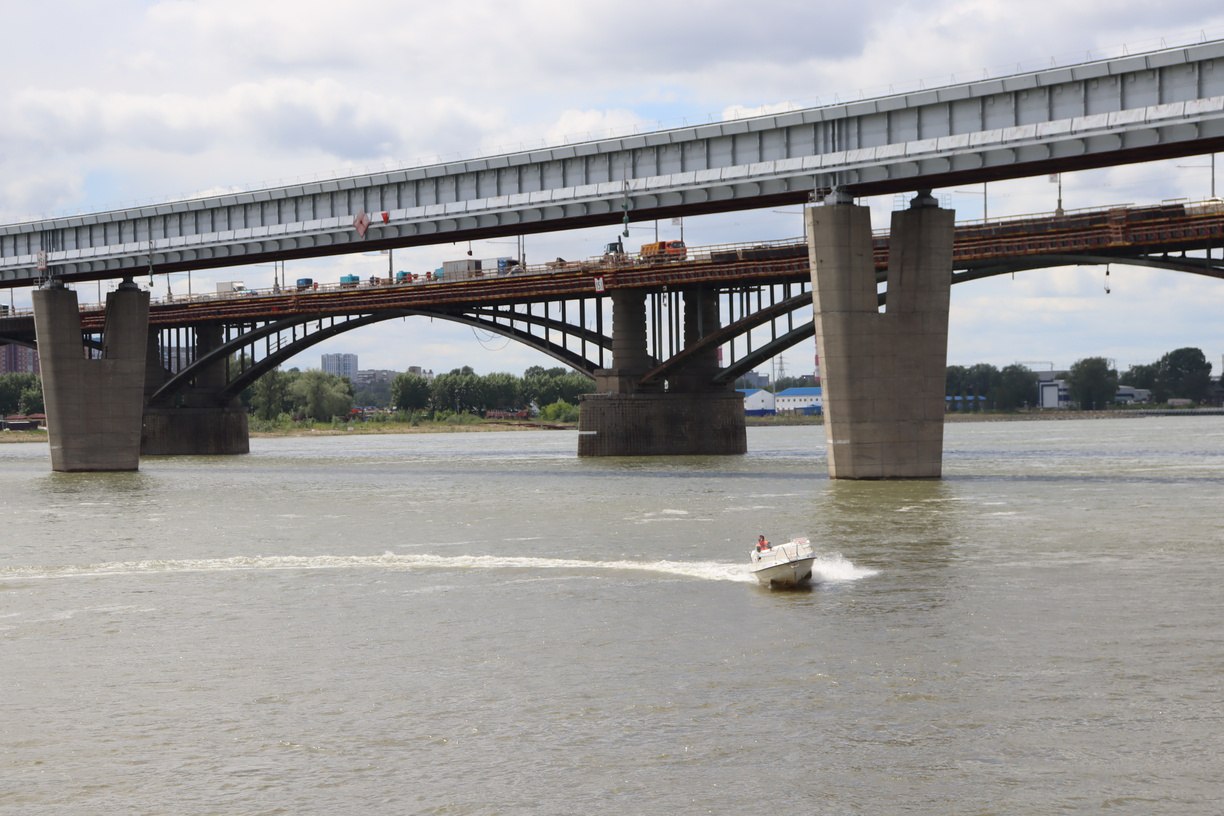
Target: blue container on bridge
<point x="304" y="283"/>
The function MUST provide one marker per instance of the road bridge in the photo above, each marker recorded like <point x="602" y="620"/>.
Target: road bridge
<point x="209" y="347"/>
<point x="1138" y="108"/>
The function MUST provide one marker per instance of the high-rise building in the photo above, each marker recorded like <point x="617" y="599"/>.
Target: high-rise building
<point x="15" y="359"/>
<point x="342" y="365"/>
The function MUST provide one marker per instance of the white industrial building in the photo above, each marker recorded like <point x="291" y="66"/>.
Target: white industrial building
<point x="757" y="401"/>
<point x="807" y="400"/>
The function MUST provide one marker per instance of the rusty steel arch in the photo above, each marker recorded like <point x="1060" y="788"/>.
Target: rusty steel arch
<point x="507" y="321"/>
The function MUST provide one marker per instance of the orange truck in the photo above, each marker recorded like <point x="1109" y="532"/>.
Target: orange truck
<point x="664" y="251"/>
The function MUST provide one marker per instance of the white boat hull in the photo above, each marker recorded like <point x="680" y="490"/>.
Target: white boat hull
<point x="785" y="565"/>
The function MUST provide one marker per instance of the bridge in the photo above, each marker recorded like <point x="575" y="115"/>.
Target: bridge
<point x="763" y="290"/>
<point x="1158" y="105"/>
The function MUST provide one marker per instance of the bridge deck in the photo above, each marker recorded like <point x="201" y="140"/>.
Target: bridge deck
<point x="1120" y="232"/>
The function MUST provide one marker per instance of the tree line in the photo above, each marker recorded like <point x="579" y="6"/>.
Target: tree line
<point x="1183" y="373"/>
<point x="1093" y="384"/>
<point x="314" y="395"/>
<point x="20" y="394"/>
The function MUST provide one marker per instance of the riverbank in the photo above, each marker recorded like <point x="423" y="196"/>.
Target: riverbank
<point x="377" y="428"/>
<point x="495" y="425"/>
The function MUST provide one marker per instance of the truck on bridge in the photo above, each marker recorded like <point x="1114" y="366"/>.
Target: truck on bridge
<point x="663" y="251"/>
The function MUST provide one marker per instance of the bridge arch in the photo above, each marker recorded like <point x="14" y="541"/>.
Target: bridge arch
<point x="536" y="330"/>
<point x="595" y="347"/>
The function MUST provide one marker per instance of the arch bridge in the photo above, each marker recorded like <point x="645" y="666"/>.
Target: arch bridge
<point x="1134" y="108"/>
<point x="206" y="350"/>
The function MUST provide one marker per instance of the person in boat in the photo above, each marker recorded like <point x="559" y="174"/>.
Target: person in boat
<point x="762" y="544"/>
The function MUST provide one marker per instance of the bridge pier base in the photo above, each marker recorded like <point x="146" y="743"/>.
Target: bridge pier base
<point x="187" y="431"/>
<point x="93" y="405"/>
<point x="627" y="417"/>
<point x="709" y="423"/>
<point x="197" y="425"/>
<point x="883" y="374"/>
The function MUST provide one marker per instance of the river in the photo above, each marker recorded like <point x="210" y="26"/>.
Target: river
<point x="482" y="623"/>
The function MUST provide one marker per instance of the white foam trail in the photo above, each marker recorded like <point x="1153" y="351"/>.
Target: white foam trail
<point x="836" y="568"/>
<point x="831" y="568"/>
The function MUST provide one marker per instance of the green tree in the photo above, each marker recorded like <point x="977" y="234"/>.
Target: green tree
<point x="31" y="401"/>
<point x="270" y="395"/>
<point x="981" y="379"/>
<point x="1141" y="376"/>
<point x="1183" y="373"/>
<point x="798" y="381"/>
<point x="321" y="396"/>
<point x="502" y="391"/>
<point x="571" y="385"/>
<point x="410" y="392"/>
<point x="546" y="386"/>
<point x="1092" y="383"/>
<point x="559" y="411"/>
<point x="955" y="381"/>
<point x="1017" y="388"/>
<point x="540" y="385"/>
<point x="376" y="393"/>
<point x="460" y="391"/>
<point x="13" y="387"/>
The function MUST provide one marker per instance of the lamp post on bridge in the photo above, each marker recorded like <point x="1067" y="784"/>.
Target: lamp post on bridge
<point x="1202" y="166"/>
<point x="985" y="214"/>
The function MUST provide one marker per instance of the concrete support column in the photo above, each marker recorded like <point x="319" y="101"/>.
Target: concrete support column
<point x="883" y="374"/>
<point x="93" y="405"/>
<point x="208" y="338"/>
<point x="701" y="318"/>
<point x="693" y="417"/>
<point x="630" y="359"/>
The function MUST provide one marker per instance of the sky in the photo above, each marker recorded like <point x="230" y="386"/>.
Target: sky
<point x="123" y="103"/>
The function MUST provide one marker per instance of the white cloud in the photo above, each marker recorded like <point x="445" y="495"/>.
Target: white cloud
<point x="132" y="101"/>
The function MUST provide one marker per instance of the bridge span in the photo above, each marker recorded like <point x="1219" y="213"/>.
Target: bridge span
<point x="883" y="372"/>
<point x="210" y="347"/>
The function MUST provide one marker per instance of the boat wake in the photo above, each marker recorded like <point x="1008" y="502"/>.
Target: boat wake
<point x="830" y="568"/>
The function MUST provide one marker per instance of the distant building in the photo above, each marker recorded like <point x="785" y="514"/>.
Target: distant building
<point x="374" y="376"/>
<point x="1128" y="394"/>
<point x="964" y="402"/>
<point x="757" y="402"/>
<point x="15" y="359"/>
<point x="799" y="401"/>
<point x="1053" y="394"/>
<point x="420" y="372"/>
<point x="755" y="380"/>
<point x="342" y="365"/>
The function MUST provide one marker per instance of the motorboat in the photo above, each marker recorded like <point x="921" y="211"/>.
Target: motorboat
<point x="784" y="565"/>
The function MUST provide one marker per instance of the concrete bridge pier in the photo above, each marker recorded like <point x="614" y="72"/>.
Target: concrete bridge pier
<point x="201" y="422"/>
<point x="93" y="405"/>
<point x="688" y="416"/>
<point x="883" y="374"/>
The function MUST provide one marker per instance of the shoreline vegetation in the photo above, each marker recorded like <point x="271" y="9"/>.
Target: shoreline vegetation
<point x="475" y="424"/>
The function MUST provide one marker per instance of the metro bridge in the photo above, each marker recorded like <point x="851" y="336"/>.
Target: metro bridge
<point x="1159" y="105"/>
<point x="556" y="308"/>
